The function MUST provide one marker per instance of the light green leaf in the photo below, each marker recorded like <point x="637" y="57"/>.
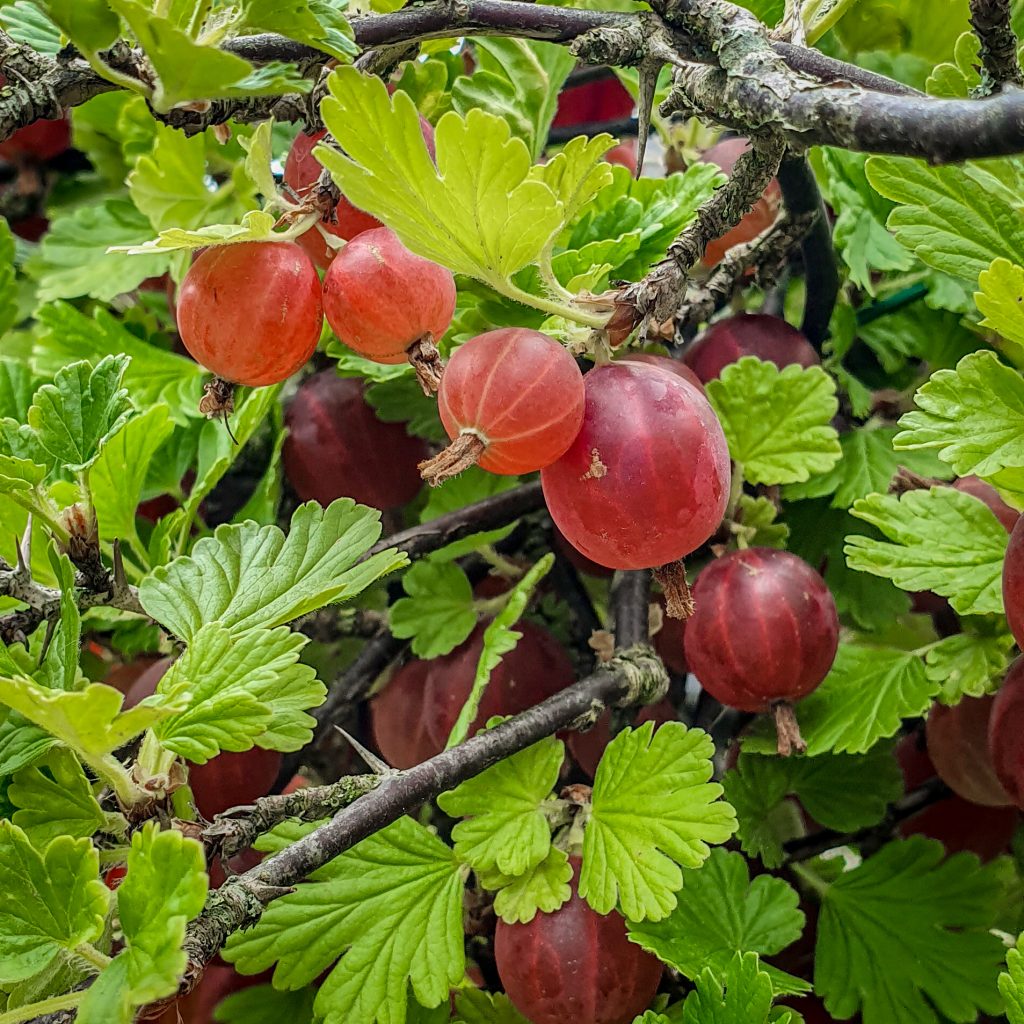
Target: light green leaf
<point x="863" y="699"/>
<point x="56" y="802"/>
<point x="973" y="415"/>
<point x="474" y="1006"/>
<point x="20" y="474"/>
<point x="74" y="257"/>
<point x="81" y="410"/>
<point x="391" y="908"/>
<point x="16" y="390"/>
<point x="50" y="902"/>
<point x="438" y="614"/>
<point x="905" y="937"/>
<point x="968" y="665"/>
<point x="118" y="476"/>
<point x="255" y="226"/>
<point x="777" y="422"/>
<point x="999" y="297"/>
<point x="868" y="465"/>
<point x="477" y="213"/>
<point x="844" y="792"/>
<point x="655" y="810"/>
<point x="506" y="829"/>
<point x="722" y="913"/>
<point x="743" y="995"/>
<point x="165" y="888"/>
<point x="153" y="375"/>
<point x="318" y="23"/>
<point x="941" y="540"/>
<point x="1011" y="984"/>
<point x="950" y="217"/>
<point x="8" y="284"/>
<point x="89" y="721"/>
<point x="577" y="173"/>
<point x="259" y="153"/>
<point x="247" y="576"/>
<point x="245" y="690"/>
<point x="89" y="24"/>
<point x="498" y="640"/>
<point x="543" y="888"/>
<point x="24" y="22"/>
<point x="958" y="79"/>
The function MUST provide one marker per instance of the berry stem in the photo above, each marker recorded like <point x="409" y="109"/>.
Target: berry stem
<point x="463" y="452"/>
<point x="427" y="362"/>
<point x="678" y="599"/>
<point x="790" y="740"/>
<point x="551" y="306"/>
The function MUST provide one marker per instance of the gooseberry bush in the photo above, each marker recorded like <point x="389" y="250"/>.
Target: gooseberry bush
<point x="454" y="575"/>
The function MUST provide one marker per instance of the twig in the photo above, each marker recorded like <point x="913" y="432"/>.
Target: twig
<point x="801" y="197"/>
<point x="236" y="830"/>
<point x="631" y="591"/>
<point x="633" y="677"/>
<point x="807" y="847"/>
<point x="990" y="20"/>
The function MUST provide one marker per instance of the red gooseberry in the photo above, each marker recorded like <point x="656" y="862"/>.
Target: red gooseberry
<point x="666" y="363"/>
<point x="647" y="479"/>
<point x="575" y="965"/>
<point x="251" y="313"/>
<point x="958" y="747"/>
<point x="592" y="102"/>
<point x="302" y="171"/>
<point x="336" y="447"/>
<point x="511" y="400"/>
<point x="1006" y="733"/>
<point x="381" y="299"/>
<point x="41" y="140"/>
<point x="724" y="155"/>
<point x="414" y="714"/>
<point x="764" y="633"/>
<point x="748" y="334"/>
<point x="1013" y="582"/>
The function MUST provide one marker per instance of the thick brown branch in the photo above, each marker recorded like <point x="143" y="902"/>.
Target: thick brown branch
<point x="990" y="20"/>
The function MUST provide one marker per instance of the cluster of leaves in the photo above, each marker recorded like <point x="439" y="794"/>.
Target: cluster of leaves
<point x="98" y="414"/>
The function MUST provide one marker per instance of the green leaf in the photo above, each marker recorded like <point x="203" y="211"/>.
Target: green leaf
<point x="915" y="332"/>
<point x="973" y="415"/>
<point x="543" y="888"/>
<point x="165" y="887"/>
<point x="474" y="1006"/>
<point x="264" y="1004"/>
<point x="968" y="665"/>
<point x="498" y="640"/>
<point x="474" y="484"/>
<point x="25" y="23"/>
<point x="859" y="231"/>
<point x="755" y="520"/>
<point x="244" y="690"/>
<point x="950" y="217"/>
<point x="391" y="908"/>
<point x="438" y="614"/>
<point x="50" y="902"/>
<point x="317" y="24"/>
<point x="170" y="185"/>
<point x="401" y="400"/>
<point x="89" y="24"/>
<point x="478" y="212"/>
<point x="999" y="297"/>
<point x="905" y="936"/>
<point x="777" y="422"/>
<point x="868" y="465"/>
<point x="958" y="79"/>
<point x="81" y="410"/>
<point x="54" y="802"/>
<point x="20" y="474"/>
<point x="60" y="667"/>
<point x="247" y="576"/>
<point x="940" y="540"/>
<point x="506" y="829"/>
<point x="722" y="913"/>
<point x="118" y="476"/>
<point x="189" y="71"/>
<point x="844" y="792"/>
<point x="864" y="699"/>
<point x="89" y="721"/>
<point x="1011" y="984"/>
<point x="255" y="226"/>
<point x="742" y="996"/>
<point x="74" y="257"/>
<point x="655" y="810"/>
<point x="16" y="390"/>
<point x="8" y="283"/>
<point x="153" y="375"/>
